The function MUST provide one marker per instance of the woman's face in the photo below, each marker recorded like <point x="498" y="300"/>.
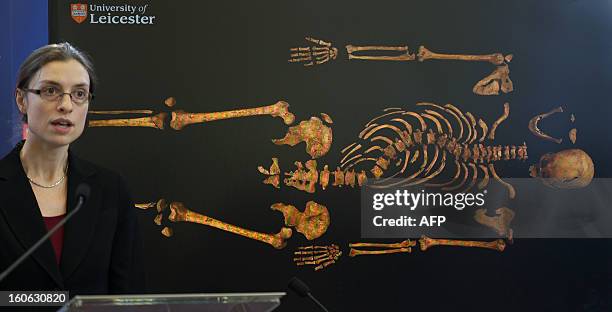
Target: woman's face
<point x="59" y="122"/>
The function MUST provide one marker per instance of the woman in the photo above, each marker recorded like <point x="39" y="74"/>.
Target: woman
<point x="97" y="251"/>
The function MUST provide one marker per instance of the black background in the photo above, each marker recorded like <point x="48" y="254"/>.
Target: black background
<point x="222" y="55"/>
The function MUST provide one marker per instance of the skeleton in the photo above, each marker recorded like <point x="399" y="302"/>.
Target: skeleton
<point x="318" y="256"/>
<point x="404" y="246"/>
<point x="313" y="222"/>
<point x="533" y="125"/>
<point x="413" y="148"/>
<point x="318" y="54"/>
<point x="426" y="242"/>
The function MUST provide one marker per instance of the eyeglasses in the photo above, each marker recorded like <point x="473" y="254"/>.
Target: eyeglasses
<point x="52" y="93"/>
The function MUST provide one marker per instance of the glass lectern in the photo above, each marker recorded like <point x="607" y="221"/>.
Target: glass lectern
<point x="239" y="302"/>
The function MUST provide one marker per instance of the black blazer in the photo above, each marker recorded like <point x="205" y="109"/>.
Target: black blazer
<point x="101" y="251"/>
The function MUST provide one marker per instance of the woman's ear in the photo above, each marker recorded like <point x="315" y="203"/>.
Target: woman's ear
<point x="21" y="101"/>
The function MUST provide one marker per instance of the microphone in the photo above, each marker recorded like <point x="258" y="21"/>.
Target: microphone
<point x="82" y="194"/>
<point x="303" y="290"/>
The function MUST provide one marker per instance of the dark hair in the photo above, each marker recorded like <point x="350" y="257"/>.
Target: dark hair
<point x="53" y="52"/>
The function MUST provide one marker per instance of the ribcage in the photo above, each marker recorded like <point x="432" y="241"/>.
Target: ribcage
<point x="420" y="147"/>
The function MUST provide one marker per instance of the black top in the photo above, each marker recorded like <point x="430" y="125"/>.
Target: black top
<point x="101" y="249"/>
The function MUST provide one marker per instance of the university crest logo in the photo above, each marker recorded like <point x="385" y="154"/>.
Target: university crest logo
<point x="78" y="11"/>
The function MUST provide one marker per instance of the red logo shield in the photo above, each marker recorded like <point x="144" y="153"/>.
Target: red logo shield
<point x="78" y="11"/>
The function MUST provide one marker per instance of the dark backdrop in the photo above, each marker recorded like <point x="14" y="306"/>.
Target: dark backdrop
<point x="221" y="55"/>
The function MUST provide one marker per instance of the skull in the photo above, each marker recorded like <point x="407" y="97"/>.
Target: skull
<point x="567" y="169"/>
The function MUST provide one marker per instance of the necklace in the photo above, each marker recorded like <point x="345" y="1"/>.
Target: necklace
<point x="54" y="184"/>
<point x="49" y="186"/>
